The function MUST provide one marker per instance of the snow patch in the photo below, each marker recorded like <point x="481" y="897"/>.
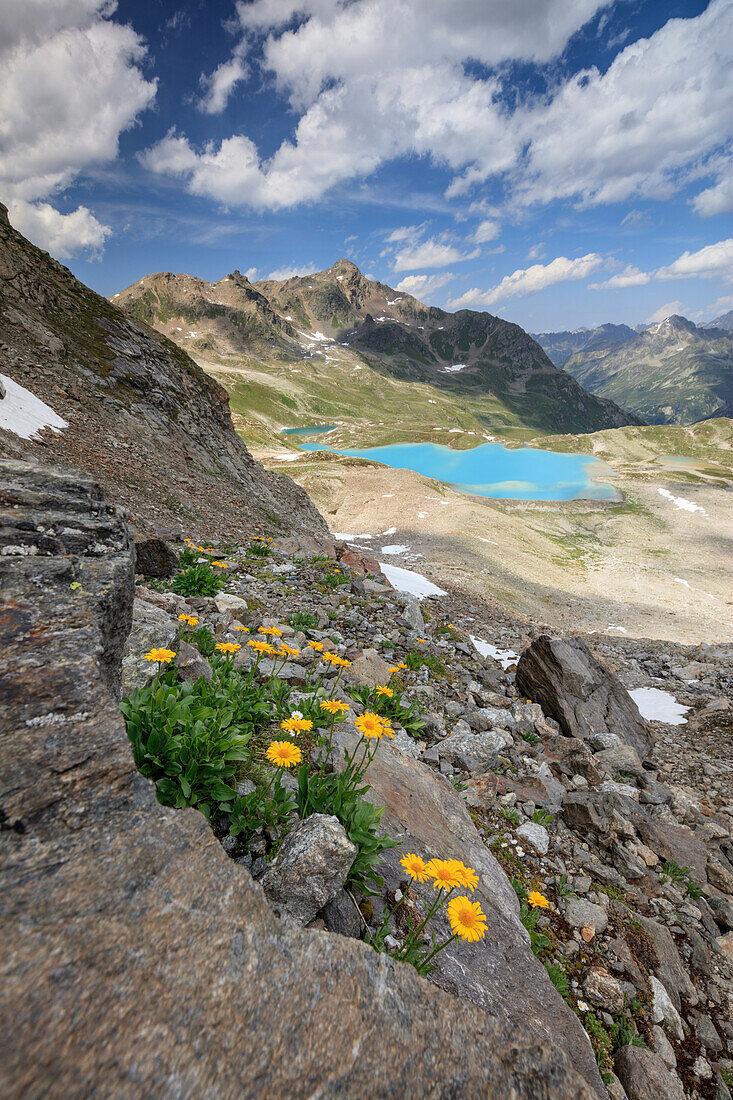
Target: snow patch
<point x="659" y="706"/>
<point x="24" y="414"/>
<point x="396" y="548"/>
<point x="681" y="503"/>
<point x="679" y="580"/>
<point x="390" y="531"/>
<point x="455" y="368"/>
<point x="404" y="580"/>
<point x="348" y="538"/>
<point x="505" y="657"/>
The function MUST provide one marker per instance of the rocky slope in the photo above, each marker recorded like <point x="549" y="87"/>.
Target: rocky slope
<point x="725" y="321"/>
<point x="124" y="403"/>
<point x="478" y="362"/>
<point x="673" y="372"/>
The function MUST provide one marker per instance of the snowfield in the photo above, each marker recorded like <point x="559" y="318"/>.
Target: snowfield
<point x="24" y="414"/>
<point x="659" y="706"/>
<point x="414" y="584"/>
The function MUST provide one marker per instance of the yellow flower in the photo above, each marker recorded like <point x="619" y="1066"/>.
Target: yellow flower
<point x="288" y="650"/>
<point x="385" y="691"/>
<point x="227" y="647"/>
<point x="284" y="754"/>
<point x="443" y="873"/>
<point x="162" y="656"/>
<point x="244" y="629"/>
<point x="295" y="725"/>
<point x="466" y="919"/>
<point x="537" y="900"/>
<point x="415" y="867"/>
<point x="261" y="647"/>
<point x="370" y="725"/>
<point x="421" y="640"/>
<point x="318" y="646"/>
<point x="341" y="662"/>
<point x="221" y="564"/>
<point x="398" y="668"/>
<point x="467" y="875"/>
<point x="387" y="727"/>
<point x="190" y="619"/>
<point x="329" y="658"/>
<point x="270" y="630"/>
<point x="334" y="706"/>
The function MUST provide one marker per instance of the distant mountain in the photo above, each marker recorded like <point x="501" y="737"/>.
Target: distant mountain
<point x="725" y="321"/>
<point x="672" y="372"/>
<point x="559" y="346"/>
<point x="337" y="316"/>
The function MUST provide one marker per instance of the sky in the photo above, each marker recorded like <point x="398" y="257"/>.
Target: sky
<point x="559" y="163"/>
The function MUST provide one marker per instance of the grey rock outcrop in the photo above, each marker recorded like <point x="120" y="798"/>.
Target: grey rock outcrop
<point x="644" y="1074"/>
<point x="310" y="868"/>
<point x="138" y="959"/>
<point x="154" y="557"/>
<point x="151" y="628"/>
<point x="582" y="694"/>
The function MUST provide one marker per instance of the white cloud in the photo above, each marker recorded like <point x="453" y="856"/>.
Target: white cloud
<point x="374" y="80"/>
<point x="712" y="260"/>
<point x="63" y="235"/>
<point x="220" y="85"/>
<point x="72" y="82"/>
<point x="281" y="273"/>
<point x="630" y="276"/>
<point x="667" y="310"/>
<point x="251" y="273"/>
<point x="422" y="285"/>
<point x="378" y="79"/>
<point x="642" y="126"/>
<point x="527" y="280"/>
<point x="487" y="230"/>
<point x="431" y="253"/>
<point x="717" y="199"/>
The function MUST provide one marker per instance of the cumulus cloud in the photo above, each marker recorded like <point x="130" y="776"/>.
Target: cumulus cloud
<point x="422" y="285"/>
<point x="374" y="80"/>
<point x="72" y="82"/>
<point x="630" y="276"/>
<point x="281" y="273"/>
<point x="714" y="260"/>
<point x="717" y="199"/>
<point x="63" y="235"/>
<point x="527" y="280"/>
<point x="431" y="253"/>
<point x="667" y="310"/>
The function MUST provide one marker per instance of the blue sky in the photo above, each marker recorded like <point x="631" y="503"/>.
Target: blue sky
<point x="556" y="162"/>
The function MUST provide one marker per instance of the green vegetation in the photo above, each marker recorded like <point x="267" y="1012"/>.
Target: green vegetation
<point x="387" y="702"/>
<point x="303" y="620"/>
<point x="199" y="580"/>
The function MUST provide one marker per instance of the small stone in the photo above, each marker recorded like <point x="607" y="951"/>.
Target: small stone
<point x="725" y="943"/>
<point x="154" y="557"/>
<point x="581" y="913"/>
<point x="701" y="1068"/>
<point x="588" y="933"/>
<point x="191" y="665"/>
<point x="536" y="835"/>
<point x="310" y="868"/>
<point x="225" y="602"/>
<point x="663" y="1047"/>
<point x="603" y="990"/>
<point x="663" y="1011"/>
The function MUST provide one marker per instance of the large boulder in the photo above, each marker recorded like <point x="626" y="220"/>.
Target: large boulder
<point x="152" y="628"/>
<point x="154" y="557"/>
<point x="139" y="960"/>
<point x="581" y="693"/>
<point x="499" y="974"/>
<point x="644" y="1075"/>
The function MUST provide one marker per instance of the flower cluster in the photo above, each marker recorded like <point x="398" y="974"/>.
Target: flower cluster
<point x="227" y="647"/>
<point x="335" y="660"/>
<point x="190" y="620"/>
<point x="271" y="630"/>
<point x="296" y="725"/>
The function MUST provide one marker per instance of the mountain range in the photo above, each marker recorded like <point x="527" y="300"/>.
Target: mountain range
<point x="335" y="343"/>
<point x="672" y="371"/>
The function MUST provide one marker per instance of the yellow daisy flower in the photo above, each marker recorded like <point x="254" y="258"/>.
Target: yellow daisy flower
<point x="318" y="646"/>
<point x="370" y="725"/>
<point x="244" y="629"/>
<point x="467" y="875"/>
<point x="270" y="630"/>
<point x="466" y="919"/>
<point x="296" y="725"/>
<point x="221" y="564"/>
<point x="334" y="706"/>
<point x="227" y="647"/>
<point x="443" y="873"/>
<point x="284" y="754"/>
<point x="415" y="867"/>
<point x="261" y="647"/>
<point x="162" y="656"/>
<point x="385" y="691"/>
<point x="538" y="900"/>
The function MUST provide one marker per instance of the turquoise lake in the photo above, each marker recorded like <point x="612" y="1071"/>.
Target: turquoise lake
<point x="492" y="470"/>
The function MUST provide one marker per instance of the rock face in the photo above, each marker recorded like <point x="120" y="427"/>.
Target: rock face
<point x="151" y="627"/>
<point x="143" y="418"/>
<point x="644" y="1074"/>
<point x="139" y="960"/>
<point x="578" y="691"/>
